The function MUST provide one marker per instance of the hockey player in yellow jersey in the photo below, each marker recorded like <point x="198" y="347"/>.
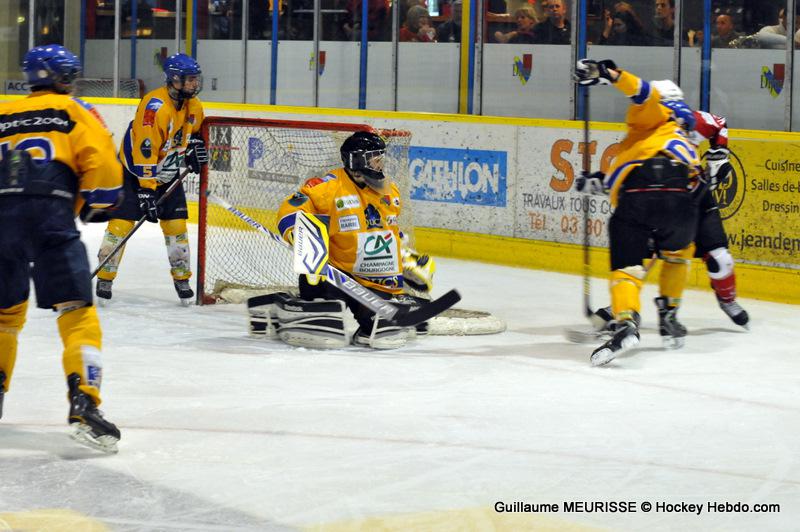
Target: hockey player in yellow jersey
<point x="650" y="183"/>
<point x="56" y="157"/>
<point x="361" y="207"/>
<point x="163" y="135"/>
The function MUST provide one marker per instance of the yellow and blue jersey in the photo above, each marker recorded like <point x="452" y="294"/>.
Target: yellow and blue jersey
<point x="55" y="127"/>
<point x="651" y="133"/>
<point x="155" y="141"/>
<point x="362" y="226"/>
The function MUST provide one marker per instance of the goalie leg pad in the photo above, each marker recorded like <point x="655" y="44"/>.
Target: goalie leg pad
<point x="263" y="314"/>
<point x="314" y="324"/>
<point x="384" y="336"/>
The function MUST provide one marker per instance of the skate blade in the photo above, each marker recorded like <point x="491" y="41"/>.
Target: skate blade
<point x="185" y="302"/>
<point x="578" y="336"/>
<point x="101" y="302"/>
<point x="606" y="355"/>
<point x="82" y="434"/>
<point x="672" y="342"/>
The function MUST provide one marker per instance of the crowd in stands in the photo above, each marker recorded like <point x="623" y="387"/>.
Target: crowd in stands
<point x="735" y="23"/>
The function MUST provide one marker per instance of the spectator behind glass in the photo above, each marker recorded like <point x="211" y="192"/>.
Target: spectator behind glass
<point x="725" y="32"/>
<point x="405" y="5"/>
<point x="526" y="20"/>
<point x="623" y="28"/>
<point x="556" y="29"/>
<point x="775" y="36"/>
<point x="377" y="20"/>
<point x="418" y="26"/>
<point x="450" y="31"/>
<point x="664" y="21"/>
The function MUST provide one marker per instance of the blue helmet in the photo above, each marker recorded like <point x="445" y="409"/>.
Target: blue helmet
<point x="50" y="64"/>
<point x="671" y="97"/>
<point x="177" y="67"/>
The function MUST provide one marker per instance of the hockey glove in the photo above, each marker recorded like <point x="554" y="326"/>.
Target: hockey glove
<point x="196" y="154"/>
<point x="89" y="215"/>
<point x="147" y="204"/>
<point x="719" y="167"/>
<point x="590" y="72"/>
<point x="418" y="270"/>
<point x="591" y="183"/>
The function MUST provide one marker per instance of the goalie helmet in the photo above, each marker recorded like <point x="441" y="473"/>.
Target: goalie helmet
<point x="362" y="155"/>
<point x="179" y="67"/>
<point x="672" y="99"/>
<point x="51" y="66"/>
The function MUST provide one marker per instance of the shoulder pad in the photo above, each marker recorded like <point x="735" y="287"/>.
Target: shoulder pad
<point x="314" y="181"/>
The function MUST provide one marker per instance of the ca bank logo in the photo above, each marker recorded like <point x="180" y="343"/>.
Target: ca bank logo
<point x="523" y="67"/>
<point x="471" y="177"/>
<point x="772" y="80"/>
<point x="730" y="195"/>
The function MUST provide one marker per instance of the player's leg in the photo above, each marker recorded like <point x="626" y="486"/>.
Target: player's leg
<point x="118" y="228"/>
<point x="712" y="247"/>
<point x="173" y="214"/>
<point x="61" y="277"/>
<point x="676" y="226"/>
<point x="628" y="239"/>
<point x="14" y="283"/>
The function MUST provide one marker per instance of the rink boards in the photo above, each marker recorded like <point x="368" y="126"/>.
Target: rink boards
<point x="501" y="190"/>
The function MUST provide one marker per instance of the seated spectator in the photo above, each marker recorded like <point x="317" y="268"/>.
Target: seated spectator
<point x="623" y="28"/>
<point x="775" y="36"/>
<point x="725" y="32"/>
<point x="405" y="5"/>
<point x="556" y="29"/>
<point x="418" y="26"/>
<point x="450" y="31"/>
<point x="526" y="20"/>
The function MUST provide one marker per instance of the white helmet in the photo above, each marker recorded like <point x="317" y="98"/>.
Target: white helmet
<point x="668" y="90"/>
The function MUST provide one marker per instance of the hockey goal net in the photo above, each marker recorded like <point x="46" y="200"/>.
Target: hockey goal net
<point x="255" y="164"/>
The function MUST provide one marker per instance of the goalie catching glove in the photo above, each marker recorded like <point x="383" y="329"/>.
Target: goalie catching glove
<point x="418" y="269"/>
<point x="196" y="154"/>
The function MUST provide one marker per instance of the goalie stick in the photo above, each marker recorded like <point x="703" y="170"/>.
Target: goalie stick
<point x="398" y="315"/>
<point x="139" y="223"/>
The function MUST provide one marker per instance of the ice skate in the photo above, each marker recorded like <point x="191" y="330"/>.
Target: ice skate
<point x="89" y="426"/>
<point x="673" y="333"/>
<point x="735" y="312"/>
<point x="625" y="337"/>
<point x="185" y="292"/>
<point x="103" y="291"/>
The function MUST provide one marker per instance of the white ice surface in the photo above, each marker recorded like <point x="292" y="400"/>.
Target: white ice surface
<point x="224" y="432"/>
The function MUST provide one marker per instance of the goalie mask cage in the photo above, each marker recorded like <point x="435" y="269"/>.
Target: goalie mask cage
<point x="255" y="164"/>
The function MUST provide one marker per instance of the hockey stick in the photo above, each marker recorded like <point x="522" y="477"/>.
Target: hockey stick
<point x="400" y="316"/>
<point x="587" y="267"/>
<point x="142" y="220"/>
